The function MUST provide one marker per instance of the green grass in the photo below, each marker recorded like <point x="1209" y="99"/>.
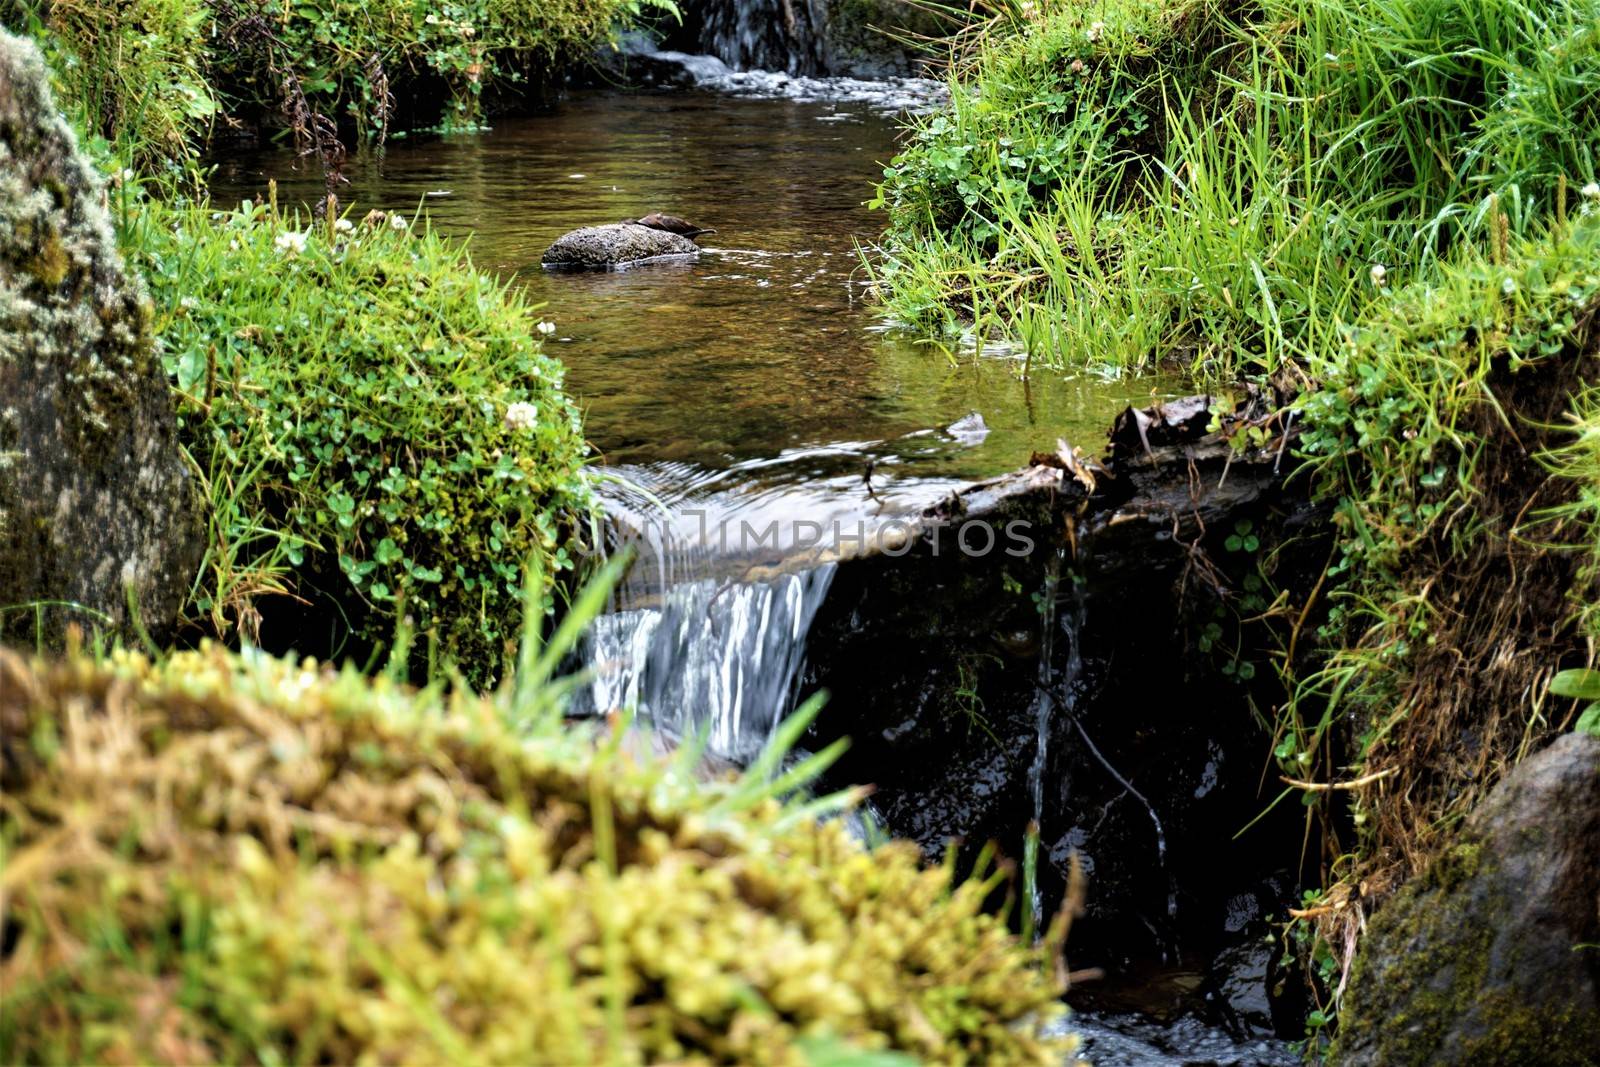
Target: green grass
<point x="1454" y="429"/>
<point x="371" y="418"/>
<point x="1155" y="181"/>
<point x="1389" y="207"/>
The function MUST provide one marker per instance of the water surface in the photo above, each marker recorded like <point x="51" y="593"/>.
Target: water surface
<point x="758" y="379"/>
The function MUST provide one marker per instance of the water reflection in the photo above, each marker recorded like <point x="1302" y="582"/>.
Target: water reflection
<point x="762" y="348"/>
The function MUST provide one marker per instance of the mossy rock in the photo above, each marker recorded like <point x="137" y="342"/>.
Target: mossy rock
<point x="245" y="859"/>
<point x="98" y="516"/>
<point x="1482" y="959"/>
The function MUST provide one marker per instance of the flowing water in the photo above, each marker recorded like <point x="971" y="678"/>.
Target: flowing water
<point x="744" y="400"/>
<point x="748" y="398"/>
<point x="1044" y="705"/>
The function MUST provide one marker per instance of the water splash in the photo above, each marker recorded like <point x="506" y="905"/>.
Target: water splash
<point x="892" y="95"/>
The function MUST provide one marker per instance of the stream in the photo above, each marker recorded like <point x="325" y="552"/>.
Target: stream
<point x="746" y="402"/>
<point x="740" y="402"/>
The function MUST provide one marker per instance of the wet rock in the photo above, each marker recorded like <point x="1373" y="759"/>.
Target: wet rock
<point x="867" y="38"/>
<point x="619" y="245"/>
<point x="1152" y="757"/>
<point x="858" y="38"/>
<point x="1480" y="959"/>
<point x="96" y="506"/>
<point x="1243" y="976"/>
<point x="970" y="430"/>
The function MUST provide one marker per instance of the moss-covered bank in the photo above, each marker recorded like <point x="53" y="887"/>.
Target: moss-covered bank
<point x="375" y="425"/>
<point x="243" y="859"/>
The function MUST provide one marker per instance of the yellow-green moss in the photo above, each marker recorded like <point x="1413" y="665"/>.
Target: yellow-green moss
<point x="248" y="860"/>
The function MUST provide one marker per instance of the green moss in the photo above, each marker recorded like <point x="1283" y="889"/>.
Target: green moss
<point x="239" y="859"/>
<point x="50" y="265"/>
<point x="1432" y="979"/>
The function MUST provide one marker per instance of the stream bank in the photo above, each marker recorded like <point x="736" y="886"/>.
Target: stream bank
<point x="744" y="399"/>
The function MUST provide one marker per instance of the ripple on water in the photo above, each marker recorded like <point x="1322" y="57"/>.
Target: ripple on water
<point x="759" y="361"/>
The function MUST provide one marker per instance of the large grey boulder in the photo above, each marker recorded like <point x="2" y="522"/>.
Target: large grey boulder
<point x="622" y="244"/>
<point x="1491" y="955"/>
<point x="96" y="507"/>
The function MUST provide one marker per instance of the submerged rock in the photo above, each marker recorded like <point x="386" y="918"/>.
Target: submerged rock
<point x="1488" y="957"/>
<point x="97" y="510"/>
<point x="622" y="244"/>
<point x="969" y="430"/>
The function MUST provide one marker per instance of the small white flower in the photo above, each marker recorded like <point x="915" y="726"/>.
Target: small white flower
<point x="291" y="242"/>
<point x="547" y="328"/>
<point x="521" y="416"/>
<point x="398" y="222"/>
<point x="1096" y="31"/>
<point x="1508" y="286"/>
<point x="1592" y="191"/>
<point x="343" y="226"/>
<point x="1379" y="274"/>
<point x="188" y="303"/>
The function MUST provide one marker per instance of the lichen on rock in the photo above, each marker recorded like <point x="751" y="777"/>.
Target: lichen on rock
<point x="96" y="507"/>
<point x="1487" y="957"/>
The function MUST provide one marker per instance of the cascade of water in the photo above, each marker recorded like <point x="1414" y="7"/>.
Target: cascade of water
<point x="784" y="35"/>
<point x="692" y="641"/>
<point x="1044" y="705"/>
<point x="719" y="654"/>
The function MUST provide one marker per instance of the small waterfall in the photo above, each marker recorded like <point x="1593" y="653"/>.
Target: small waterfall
<point x="780" y="35"/>
<point x="708" y="629"/>
<point x="723" y="654"/>
<point x="1044" y="699"/>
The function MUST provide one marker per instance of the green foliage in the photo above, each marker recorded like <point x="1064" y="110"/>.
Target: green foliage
<point x="1397" y="434"/>
<point x="1581" y="684"/>
<point x="347" y="53"/>
<point x="132" y="72"/>
<point x="227" y="858"/>
<point x="368" y="412"/>
<point x="1130" y="182"/>
<point x="149" y="75"/>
